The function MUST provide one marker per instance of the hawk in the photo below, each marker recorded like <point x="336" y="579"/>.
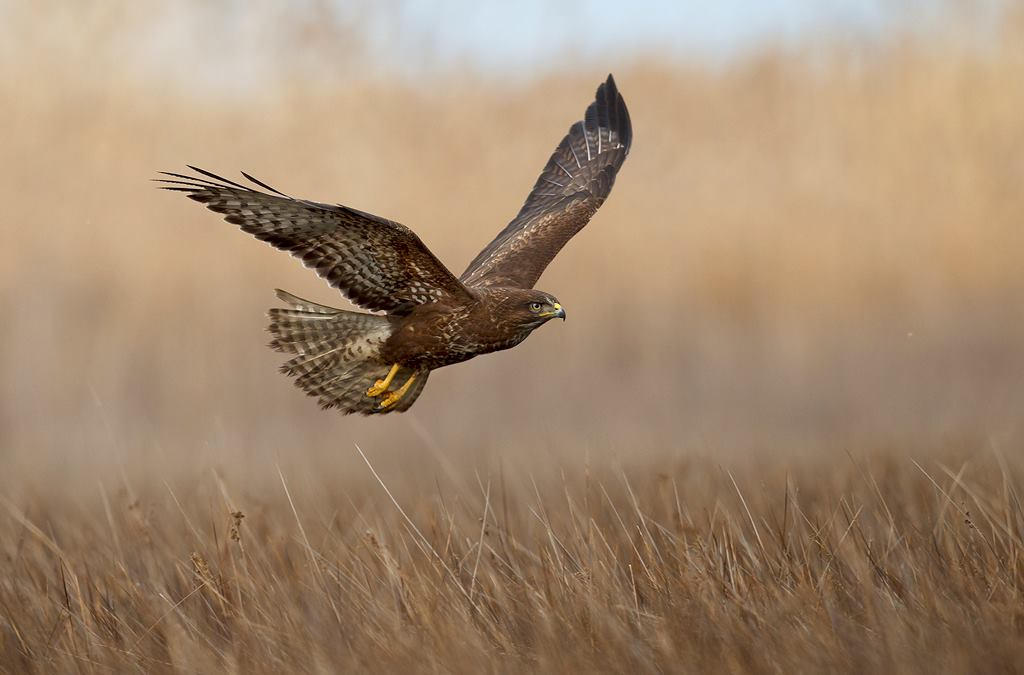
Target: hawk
<point x="426" y="317"/>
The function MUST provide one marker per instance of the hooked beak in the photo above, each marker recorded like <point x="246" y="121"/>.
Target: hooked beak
<point x="556" y="312"/>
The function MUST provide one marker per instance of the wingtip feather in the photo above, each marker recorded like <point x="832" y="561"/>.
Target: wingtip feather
<point x="616" y="111"/>
<point x="225" y="182"/>
<point x="608" y="111"/>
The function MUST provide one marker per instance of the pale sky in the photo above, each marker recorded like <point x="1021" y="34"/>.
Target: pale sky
<point x="235" y="45"/>
<point x="536" y="33"/>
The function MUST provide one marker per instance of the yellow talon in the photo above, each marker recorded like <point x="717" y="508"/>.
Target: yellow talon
<point x="396" y="396"/>
<point x="381" y="386"/>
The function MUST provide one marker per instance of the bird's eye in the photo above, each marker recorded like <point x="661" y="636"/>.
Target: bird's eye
<point x="535" y="306"/>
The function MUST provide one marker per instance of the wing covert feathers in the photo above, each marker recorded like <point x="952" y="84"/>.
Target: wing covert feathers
<point x="574" y="183"/>
<point x="377" y="263"/>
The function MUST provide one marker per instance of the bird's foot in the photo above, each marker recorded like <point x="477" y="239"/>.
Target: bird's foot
<point x="396" y="396"/>
<point x="381" y="386"/>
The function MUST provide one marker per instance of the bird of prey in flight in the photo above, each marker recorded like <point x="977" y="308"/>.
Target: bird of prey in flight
<point x="426" y="317"/>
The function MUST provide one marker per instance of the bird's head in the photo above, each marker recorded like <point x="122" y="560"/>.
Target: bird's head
<point x="530" y="308"/>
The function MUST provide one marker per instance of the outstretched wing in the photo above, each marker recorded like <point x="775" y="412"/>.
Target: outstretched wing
<point x="574" y="183"/>
<point x="377" y="263"/>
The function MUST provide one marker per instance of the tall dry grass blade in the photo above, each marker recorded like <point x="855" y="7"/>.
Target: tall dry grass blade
<point x="480" y="541"/>
<point x="416" y="530"/>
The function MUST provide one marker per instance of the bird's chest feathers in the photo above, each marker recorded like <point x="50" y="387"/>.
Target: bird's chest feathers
<point x="488" y="330"/>
<point x="437" y="337"/>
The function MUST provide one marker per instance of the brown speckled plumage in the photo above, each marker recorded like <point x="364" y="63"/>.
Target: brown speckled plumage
<point x="431" y="318"/>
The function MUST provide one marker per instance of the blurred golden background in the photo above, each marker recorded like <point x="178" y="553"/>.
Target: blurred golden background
<point x="813" y="245"/>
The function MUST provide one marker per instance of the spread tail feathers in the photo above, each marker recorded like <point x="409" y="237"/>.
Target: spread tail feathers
<point x="337" y="355"/>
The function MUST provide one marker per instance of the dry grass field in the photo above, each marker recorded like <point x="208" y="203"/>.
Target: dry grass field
<point x="861" y="564"/>
<point x="781" y="430"/>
